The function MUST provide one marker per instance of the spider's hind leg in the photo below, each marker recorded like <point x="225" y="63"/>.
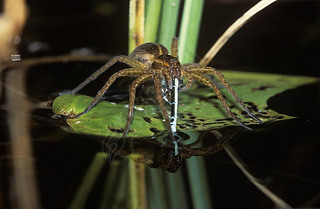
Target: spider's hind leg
<point x="233" y="93"/>
<point x="212" y="71"/>
<point x="203" y="79"/>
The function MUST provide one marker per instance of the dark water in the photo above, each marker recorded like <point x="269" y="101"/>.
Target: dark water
<point x="285" y="156"/>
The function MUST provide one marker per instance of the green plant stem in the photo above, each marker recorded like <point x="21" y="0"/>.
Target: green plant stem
<point x="188" y="41"/>
<point x="176" y="190"/>
<point x="137" y="185"/>
<point x="119" y="197"/>
<point x="189" y="30"/>
<point x="132" y="20"/>
<point x="169" y="20"/>
<point x="156" y="189"/>
<point x="153" y="11"/>
<point x="88" y="181"/>
<point x="198" y="183"/>
<point x="112" y="182"/>
<point x="133" y="185"/>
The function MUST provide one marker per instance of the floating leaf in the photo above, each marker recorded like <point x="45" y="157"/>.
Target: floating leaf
<point x="199" y="108"/>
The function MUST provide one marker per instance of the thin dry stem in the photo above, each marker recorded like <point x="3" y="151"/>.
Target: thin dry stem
<point x="140" y="5"/>
<point x="136" y="24"/>
<point x="279" y="203"/>
<point x="233" y="29"/>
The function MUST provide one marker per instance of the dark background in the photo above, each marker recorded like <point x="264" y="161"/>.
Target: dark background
<point x="283" y="38"/>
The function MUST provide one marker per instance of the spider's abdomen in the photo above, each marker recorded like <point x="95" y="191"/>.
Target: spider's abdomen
<point x="148" y="52"/>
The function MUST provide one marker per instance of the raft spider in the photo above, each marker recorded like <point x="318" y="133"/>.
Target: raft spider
<point x="151" y="61"/>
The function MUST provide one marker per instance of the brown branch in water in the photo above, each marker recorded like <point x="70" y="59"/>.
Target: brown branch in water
<point x="278" y="202"/>
<point x="54" y="59"/>
<point x="24" y="185"/>
<point x="12" y="22"/>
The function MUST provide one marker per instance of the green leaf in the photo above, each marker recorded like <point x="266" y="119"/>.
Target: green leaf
<point x="199" y="110"/>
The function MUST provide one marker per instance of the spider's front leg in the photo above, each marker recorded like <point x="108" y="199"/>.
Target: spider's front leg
<point x="157" y="83"/>
<point x="125" y="72"/>
<point x="189" y="82"/>
<point x="132" y="95"/>
<point x="122" y="58"/>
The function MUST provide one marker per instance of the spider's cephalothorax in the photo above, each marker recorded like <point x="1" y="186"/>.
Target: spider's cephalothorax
<point x="169" y="66"/>
<point x="151" y="61"/>
<point x="157" y="60"/>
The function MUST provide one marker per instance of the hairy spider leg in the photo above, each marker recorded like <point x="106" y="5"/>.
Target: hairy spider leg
<point x="189" y="150"/>
<point x="132" y="95"/>
<point x="203" y="79"/>
<point x="210" y="70"/>
<point x="122" y="58"/>
<point x="189" y="82"/>
<point x="134" y="72"/>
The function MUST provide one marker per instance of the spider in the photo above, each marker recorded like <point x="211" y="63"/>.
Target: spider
<point x="160" y="155"/>
<point x="151" y="61"/>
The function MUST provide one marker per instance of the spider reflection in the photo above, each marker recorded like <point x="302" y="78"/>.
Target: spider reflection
<point x="158" y="155"/>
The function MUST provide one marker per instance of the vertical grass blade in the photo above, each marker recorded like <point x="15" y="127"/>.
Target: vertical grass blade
<point x="189" y="30"/>
<point x="120" y="195"/>
<point x="169" y="20"/>
<point x="156" y="189"/>
<point x="153" y="11"/>
<point x="112" y="182"/>
<point x="136" y="24"/>
<point x="137" y="186"/>
<point x="188" y="41"/>
<point x="176" y="190"/>
<point x="81" y="196"/>
<point x="198" y="183"/>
